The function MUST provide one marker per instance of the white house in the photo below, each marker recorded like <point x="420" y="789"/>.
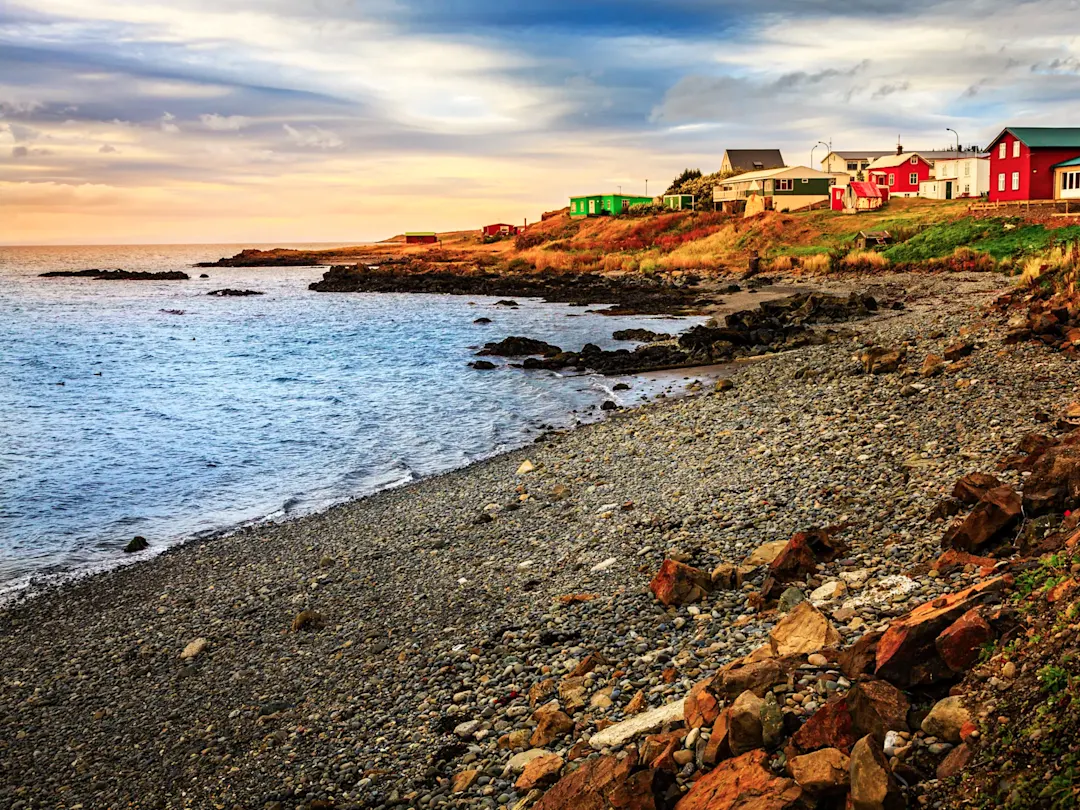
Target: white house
<point x="787" y="189"/>
<point x="966" y="175"/>
<point x="851" y="161"/>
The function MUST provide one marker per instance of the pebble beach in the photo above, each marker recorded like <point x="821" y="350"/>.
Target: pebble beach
<point x="390" y="652"/>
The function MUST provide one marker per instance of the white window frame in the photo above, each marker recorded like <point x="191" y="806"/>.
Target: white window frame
<point x="1001" y="150"/>
<point x="1016" y="148"/>
<point x="892" y="180"/>
<point x="784" y="184"/>
<point x="1016" y="181"/>
<point x="914" y="160"/>
<point x="967" y="170"/>
<point x="1001" y="181"/>
<point x="913" y="178"/>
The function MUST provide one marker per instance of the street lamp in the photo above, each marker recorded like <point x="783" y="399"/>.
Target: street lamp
<point x="812" y="149"/>
<point x="826" y="145"/>
<point x="953" y="131"/>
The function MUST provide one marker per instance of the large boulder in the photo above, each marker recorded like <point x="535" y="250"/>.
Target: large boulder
<point x="831" y="726"/>
<point x="804" y="630"/>
<point x="821" y="772"/>
<point x="872" y="784"/>
<point x="997" y="511"/>
<point x="606" y="782"/>
<point x="540" y="771"/>
<point x="765" y="553"/>
<point x="947" y="718"/>
<point x="679" y="584"/>
<point x="744" y="723"/>
<point x="906" y="654"/>
<point x="877" y="707"/>
<point x="959" y="644"/>
<point x="743" y="783"/>
<point x="737" y="677"/>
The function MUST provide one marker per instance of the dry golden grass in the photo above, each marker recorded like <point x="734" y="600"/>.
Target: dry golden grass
<point x="817" y="263"/>
<point x="865" y="258"/>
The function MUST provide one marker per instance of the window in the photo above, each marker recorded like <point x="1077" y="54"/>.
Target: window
<point x="967" y="169"/>
<point x="892" y="179"/>
<point x="1001" y="181"/>
<point x="1016" y="181"/>
<point x="1001" y="152"/>
<point x="806" y="179"/>
<point x="967" y="188"/>
<point x="852" y="166"/>
<point x="914" y="160"/>
<point x="913" y="178"/>
<point x="1016" y="148"/>
<point x="784" y="184"/>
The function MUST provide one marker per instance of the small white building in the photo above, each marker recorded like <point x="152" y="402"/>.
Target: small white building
<point x="963" y="176"/>
<point x="852" y="161"/>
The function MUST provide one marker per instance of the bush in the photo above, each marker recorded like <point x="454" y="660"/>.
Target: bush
<point x="524" y="241"/>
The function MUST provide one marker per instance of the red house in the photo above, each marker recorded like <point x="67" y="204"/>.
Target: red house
<point x="1022" y="161"/>
<point x="421" y="238"/>
<point x="900" y="174"/>
<point x="501" y="229"/>
<point x="858" y="196"/>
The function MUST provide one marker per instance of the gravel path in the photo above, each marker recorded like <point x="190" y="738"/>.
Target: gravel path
<point x="435" y="608"/>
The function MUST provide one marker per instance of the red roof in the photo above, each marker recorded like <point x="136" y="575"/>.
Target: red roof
<point x="865" y="189"/>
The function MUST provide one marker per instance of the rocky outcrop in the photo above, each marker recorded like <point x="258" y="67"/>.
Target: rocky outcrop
<point x="640" y="335"/>
<point x="516" y="346"/>
<point x="119" y="275"/>
<point x="907" y="654"/>
<point x="229" y="292"/>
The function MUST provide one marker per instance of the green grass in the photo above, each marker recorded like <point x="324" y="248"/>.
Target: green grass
<point x="986" y="235"/>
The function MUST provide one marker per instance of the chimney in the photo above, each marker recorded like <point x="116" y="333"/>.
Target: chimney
<point x="899" y="149"/>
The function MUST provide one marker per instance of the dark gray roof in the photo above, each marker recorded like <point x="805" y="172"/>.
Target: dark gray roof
<point x="748" y="160"/>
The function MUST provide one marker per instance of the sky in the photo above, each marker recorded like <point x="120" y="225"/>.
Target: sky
<point x="269" y="121"/>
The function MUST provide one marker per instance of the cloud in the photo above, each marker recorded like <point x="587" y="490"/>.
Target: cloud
<point x="167" y="125"/>
<point x="313" y="137"/>
<point x="108" y="149"/>
<point x="224" y="123"/>
<point x="20" y="151"/>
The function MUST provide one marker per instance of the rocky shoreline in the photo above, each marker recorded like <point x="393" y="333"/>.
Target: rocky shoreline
<point x="119" y="275"/>
<point x="405" y="650"/>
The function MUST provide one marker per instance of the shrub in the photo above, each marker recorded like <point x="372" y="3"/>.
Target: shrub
<point x="863" y="260"/>
<point x="524" y="241"/>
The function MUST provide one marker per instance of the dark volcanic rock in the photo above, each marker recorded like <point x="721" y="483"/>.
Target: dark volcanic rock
<point x="262" y="258"/>
<point x="118" y="275"/>
<point x="482" y="365"/>
<point x="137" y="544"/>
<point x="229" y="292"/>
<point x="640" y="335"/>
<point x="518" y="347"/>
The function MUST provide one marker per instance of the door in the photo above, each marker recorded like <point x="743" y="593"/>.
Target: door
<point x="592" y="207"/>
<point x="948" y="189"/>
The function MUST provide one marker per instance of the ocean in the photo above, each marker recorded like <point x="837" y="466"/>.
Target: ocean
<point x="150" y="408"/>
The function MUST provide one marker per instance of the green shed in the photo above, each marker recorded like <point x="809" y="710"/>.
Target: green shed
<point x="679" y="202"/>
<point x="599" y="205"/>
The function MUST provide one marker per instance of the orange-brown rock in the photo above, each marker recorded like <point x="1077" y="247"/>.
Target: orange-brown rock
<point x="701" y="707"/>
<point x="463" y="781"/>
<point x="958" y="350"/>
<point x="588" y="664"/>
<point x="906" y="653"/>
<point x="955" y="761"/>
<point x="551" y="723"/>
<point x="658" y="750"/>
<point x="994" y="515"/>
<point x="802" y="554"/>
<point x="821" y="772"/>
<point x="679" y="584"/>
<point x="637" y="703"/>
<point x="959" y="643"/>
<point x="718" y="748"/>
<point x="605" y="783"/>
<point x="973" y="486"/>
<point x="744" y="723"/>
<point x="540" y="692"/>
<point x="737" y="677"/>
<point x="743" y="783"/>
<point x="876" y="708"/>
<point x="803" y="631"/>
<point x="872" y="784"/>
<point x="830" y="726"/>
<point x="539" y="772"/>
<point x="953" y="560"/>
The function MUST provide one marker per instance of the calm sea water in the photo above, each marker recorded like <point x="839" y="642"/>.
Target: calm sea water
<point x="171" y="425"/>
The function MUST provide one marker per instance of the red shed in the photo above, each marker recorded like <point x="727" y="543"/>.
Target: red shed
<point x="425" y="238"/>
<point x="501" y="229"/>
<point x="900" y="174"/>
<point x="1022" y="160"/>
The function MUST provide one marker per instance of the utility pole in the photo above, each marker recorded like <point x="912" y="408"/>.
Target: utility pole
<point x="646" y="186"/>
<point x="953" y="131"/>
